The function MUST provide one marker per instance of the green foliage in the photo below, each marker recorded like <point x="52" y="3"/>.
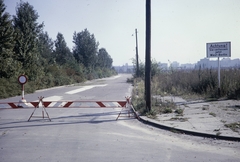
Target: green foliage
<point x="152" y="114"/>
<point x="104" y="59"/>
<point x="85" y="48"/>
<point x="141" y="71"/>
<point x="213" y="114"/>
<point x="26" y="49"/>
<point x="27" y="29"/>
<point x="138" y="100"/>
<point x="62" y="53"/>
<point x="155" y="70"/>
<point x="130" y="80"/>
<point x="8" y="66"/>
<point x="233" y="126"/>
<point x="167" y="110"/>
<point x="45" y="48"/>
<point x="179" y="111"/>
<point x="9" y="87"/>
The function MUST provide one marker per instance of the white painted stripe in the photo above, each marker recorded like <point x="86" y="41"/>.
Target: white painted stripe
<point x="117" y="76"/>
<point x="84" y="88"/>
<point x="51" y="98"/>
<point x="79" y="90"/>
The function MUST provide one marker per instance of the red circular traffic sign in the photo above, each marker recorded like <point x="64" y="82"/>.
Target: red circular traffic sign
<point x="22" y="79"/>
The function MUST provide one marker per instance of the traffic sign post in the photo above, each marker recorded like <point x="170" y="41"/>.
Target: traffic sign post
<point x="216" y="50"/>
<point x="22" y="79"/>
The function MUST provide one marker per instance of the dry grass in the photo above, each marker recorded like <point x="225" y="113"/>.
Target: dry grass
<point x="198" y="83"/>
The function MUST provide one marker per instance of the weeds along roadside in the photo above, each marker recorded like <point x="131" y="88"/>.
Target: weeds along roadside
<point x="189" y="84"/>
<point x="54" y="76"/>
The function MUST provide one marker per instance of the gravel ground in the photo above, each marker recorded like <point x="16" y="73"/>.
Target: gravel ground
<point x="227" y="110"/>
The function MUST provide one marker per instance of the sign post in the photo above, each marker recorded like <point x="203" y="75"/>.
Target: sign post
<point x="22" y="79"/>
<point x="219" y="49"/>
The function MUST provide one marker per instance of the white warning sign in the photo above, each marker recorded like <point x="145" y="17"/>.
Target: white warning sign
<point x="219" y="49"/>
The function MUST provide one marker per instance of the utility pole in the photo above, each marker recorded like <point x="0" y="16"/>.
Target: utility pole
<point x="148" y="56"/>
<point x="137" y="72"/>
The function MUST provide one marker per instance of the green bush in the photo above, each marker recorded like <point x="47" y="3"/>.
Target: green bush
<point x="53" y="75"/>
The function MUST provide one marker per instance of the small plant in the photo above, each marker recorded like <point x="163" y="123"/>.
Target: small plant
<point x="130" y="80"/>
<point x="223" y="121"/>
<point x="205" y="107"/>
<point x="179" y="119"/>
<point x="175" y="131"/>
<point x="151" y="114"/>
<point x="167" y="110"/>
<point x="166" y="107"/>
<point x="179" y="111"/>
<point x="233" y="126"/>
<point x="213" y="114"/>
<point x="218" y="133"/>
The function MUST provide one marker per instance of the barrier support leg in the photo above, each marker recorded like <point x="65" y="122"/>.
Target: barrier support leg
<point x="32" y="114"/>
<point x="119" y="114"/>
<point x="43" y="109"/>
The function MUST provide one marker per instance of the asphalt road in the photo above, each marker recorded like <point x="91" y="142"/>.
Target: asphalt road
<point x="93" y="134"/>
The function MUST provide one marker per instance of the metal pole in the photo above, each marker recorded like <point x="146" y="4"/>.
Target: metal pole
<point x="148" y="56"/>
<point x="219" y="83"/>
<point x="22" y="91"/>
<point x="137" y="72"/>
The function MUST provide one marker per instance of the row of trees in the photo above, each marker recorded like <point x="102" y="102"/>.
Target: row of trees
<point x="25" y="48"/>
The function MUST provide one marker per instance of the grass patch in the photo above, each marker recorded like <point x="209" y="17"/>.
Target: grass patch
<point x="223" y="121"/>
<point x="205" y="107"/>
<point x="179" y="111"/>
<point x="130" y="80"/>
<point x="179" y="119"/>
<point x="213" y="114"/>
<point x="167" y="110"/>
<point x="175" y="131"/>
<point x="218" y="133"/>
<point x="233" y="126"/>
<point x="164" y="107"/>
<point x="151" y="114"/>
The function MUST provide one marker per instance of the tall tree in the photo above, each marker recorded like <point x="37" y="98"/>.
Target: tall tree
<point x="45" y="46"/>
<point x="27" y="28"/>
<point x="104" y="59"/>
<point x="62" y="53"/>
<point x="85" y="49"/>
<point x="7" y="63"/>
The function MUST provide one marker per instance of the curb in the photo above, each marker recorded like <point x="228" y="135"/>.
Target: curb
<point x="183" y="131"/>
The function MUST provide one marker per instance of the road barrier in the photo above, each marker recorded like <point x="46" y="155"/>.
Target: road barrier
<point x="125" y="105"/>
<point x="65" y="104"/>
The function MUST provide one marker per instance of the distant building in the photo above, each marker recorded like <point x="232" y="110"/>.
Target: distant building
<point x="124" y="69"/>
<point x="187" y="66"/>
<point x="163" y="66"/>
<point x="175" y="65"/>
<point x="203" y="64"/>
<point x="225" y="63"/>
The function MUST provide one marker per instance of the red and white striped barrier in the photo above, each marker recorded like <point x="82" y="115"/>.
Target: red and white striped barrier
<point x="70" y="104"/>
<point x="66" y="104"/>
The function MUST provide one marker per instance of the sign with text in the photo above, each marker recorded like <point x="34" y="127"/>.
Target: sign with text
<point x="219" y="49"/>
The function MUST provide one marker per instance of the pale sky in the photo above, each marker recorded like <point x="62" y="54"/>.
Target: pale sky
<point x="180" y="29"/>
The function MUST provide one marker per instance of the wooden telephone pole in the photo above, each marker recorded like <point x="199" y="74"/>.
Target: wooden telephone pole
<point x="148" y="56"/>
<point x="137" y="72"/>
